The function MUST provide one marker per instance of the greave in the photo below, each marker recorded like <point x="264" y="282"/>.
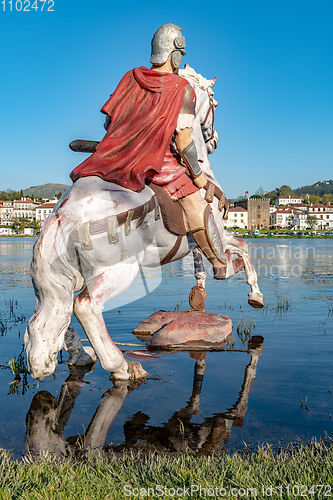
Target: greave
<point x="208" y="238"/>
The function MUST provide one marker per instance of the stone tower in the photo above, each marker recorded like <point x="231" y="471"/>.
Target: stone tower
<point x="258" y="212"/>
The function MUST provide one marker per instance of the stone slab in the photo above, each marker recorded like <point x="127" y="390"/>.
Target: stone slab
<point x="185" y="329"/>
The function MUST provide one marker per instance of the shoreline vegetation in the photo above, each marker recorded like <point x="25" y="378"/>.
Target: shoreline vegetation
<point x="240" y="234"/>
<point x="296" y="471"/>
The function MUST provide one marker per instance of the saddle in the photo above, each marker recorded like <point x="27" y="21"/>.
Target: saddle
<point x="172" y="213"/>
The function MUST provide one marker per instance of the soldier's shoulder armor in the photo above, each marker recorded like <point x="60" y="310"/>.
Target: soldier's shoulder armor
<point x="188" y="106"/>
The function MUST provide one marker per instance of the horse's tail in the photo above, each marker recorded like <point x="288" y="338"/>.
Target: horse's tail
<point x="54" y="279"/>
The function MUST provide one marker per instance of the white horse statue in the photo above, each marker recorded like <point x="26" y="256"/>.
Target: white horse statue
<point x="95" y="241"/>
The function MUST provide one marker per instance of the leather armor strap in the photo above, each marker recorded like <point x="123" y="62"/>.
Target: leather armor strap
<point x="172" y="252"/>
<point x="101" y="226"/>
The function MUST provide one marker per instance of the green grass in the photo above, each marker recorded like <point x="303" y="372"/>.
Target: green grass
<point x="245" y="330"/>
<point x="282" y="304"/>
<point x="96" y="478"/>
<point x="19" y="369"/>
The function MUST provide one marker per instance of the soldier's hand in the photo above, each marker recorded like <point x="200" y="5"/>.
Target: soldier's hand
<point x="200" y="181"/>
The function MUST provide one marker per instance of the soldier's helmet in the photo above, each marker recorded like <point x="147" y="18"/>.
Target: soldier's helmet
<point x="167" y="40"/>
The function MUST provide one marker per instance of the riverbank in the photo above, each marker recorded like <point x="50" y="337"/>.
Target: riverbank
<point x="238" y="234"/>
<point x="283" y="234"/>
<point x="303" y="470"/>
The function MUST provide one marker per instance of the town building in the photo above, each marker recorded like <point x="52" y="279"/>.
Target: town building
<point x="237" y="218"/>
<point x="288" y="217"/>
<point x="6" y="213"/>
<point x="24" y="209"/>
<point x="324" y="215"/>
<point x="43" y="211"/>
<point x="300" y="206"/>
<point x="258" y="212"/>
<point x="300" y="221"/>
<point x="5" y="231"/>
<point x="281" y="219"/>
<point x="287" y="200"/>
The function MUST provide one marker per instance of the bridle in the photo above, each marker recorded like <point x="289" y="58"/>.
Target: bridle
<point x="211" y="109"/>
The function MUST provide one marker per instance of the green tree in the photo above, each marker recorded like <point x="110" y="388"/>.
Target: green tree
<point x="327" y="197"/>
<point x="285" y="191"/>
<point x="260" y="192"/>
<point x="311" y="221"/>
<point x="313" y="198"/>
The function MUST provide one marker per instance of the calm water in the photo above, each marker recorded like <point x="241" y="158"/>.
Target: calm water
<point x="283" y="395"/>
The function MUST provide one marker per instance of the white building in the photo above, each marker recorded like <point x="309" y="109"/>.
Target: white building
<point x="300" y="206"/>
<point x="324" y="215"/>
<point x="288" y="218"/>
<point x="44" y="210"/>
<point x="300" y="220"/>
<point x="6" y="213"/>
<point x="5" y="231"/>
<point x="24" y="209"/>
<point x="237" y="217"/>
<point x="287" y="200"/>
<point x="281" y="218"/>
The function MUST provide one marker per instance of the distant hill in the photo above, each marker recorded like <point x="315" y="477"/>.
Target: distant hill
<point x="319" y="188"/>
<point x="45" y="190"/>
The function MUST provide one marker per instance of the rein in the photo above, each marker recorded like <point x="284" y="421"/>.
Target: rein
<point x="211" y="109"/>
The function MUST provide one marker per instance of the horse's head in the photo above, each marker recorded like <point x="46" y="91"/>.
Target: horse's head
<point x="205" y="106"/>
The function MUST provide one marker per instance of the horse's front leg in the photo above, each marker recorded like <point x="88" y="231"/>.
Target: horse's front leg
<point x="199" y="269"/>
<point x="239" y="247"/>
<point x="107" y="283"/>
<point x="198" y="293"/>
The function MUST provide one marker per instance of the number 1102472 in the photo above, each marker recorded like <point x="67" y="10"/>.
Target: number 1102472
<point x="27" y="5"/>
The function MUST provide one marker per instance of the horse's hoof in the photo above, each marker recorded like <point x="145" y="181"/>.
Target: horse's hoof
<point x="134" y="372"/>
<point x="256" y="300"/>
<point x="220" y="272"/>
<point x="84" y="356"/>
<point x="197" y="298"/>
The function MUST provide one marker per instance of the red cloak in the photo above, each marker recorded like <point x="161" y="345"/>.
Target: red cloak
<point x="144" y="109"/>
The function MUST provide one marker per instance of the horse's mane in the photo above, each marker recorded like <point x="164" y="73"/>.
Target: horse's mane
<point x="195" y="78"/>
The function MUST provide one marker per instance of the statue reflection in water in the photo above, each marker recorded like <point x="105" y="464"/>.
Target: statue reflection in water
<point x="47" y="418"/>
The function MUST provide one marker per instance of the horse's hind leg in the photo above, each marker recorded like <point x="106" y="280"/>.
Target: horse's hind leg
<point x="88" y="306"/>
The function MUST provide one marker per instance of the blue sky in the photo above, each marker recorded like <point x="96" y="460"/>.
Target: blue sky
<point x="273" y="60"/>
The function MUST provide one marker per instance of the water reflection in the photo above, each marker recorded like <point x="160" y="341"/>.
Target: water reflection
<point x="294" y="259"/>
<point x="297" y="324"/>
<point x="47" y="417"/>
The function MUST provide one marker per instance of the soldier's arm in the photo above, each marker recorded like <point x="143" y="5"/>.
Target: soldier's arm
<point x="107" y="122"/>
<point x="183" y="140"/>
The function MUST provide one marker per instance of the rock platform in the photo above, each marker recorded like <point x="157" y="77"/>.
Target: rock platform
<point x="185" y="330"/>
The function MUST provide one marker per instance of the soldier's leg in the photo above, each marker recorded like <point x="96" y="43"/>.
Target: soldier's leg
<point x="202" y="226"/>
